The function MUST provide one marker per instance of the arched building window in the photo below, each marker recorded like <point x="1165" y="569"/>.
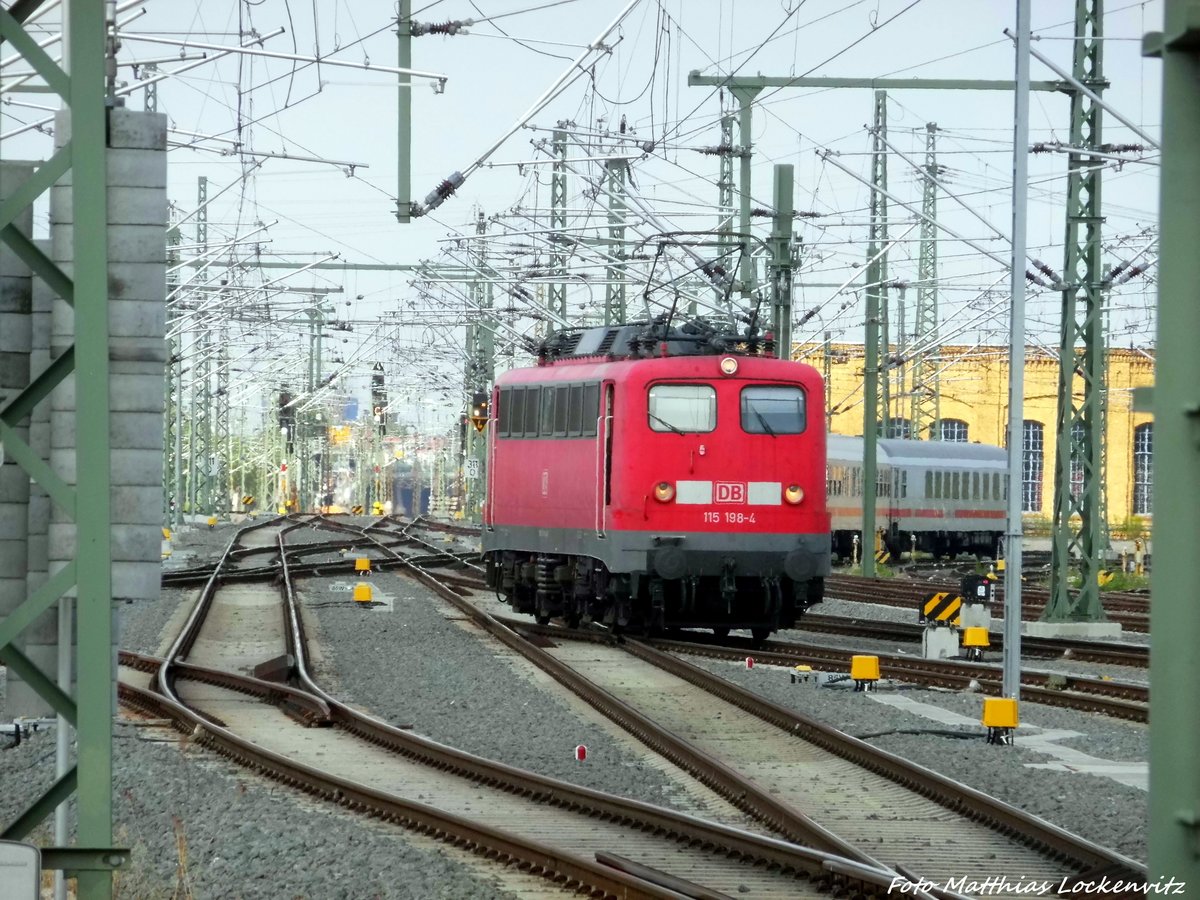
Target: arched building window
<point x="899" y="428"/>
<point x="1077" y="451"/>
<point x="1143" y="470"/>
<point x="1032" y="456"/>
<point x="955" y="430"/>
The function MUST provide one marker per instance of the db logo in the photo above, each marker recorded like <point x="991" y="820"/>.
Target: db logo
<point x="731" y="492"/>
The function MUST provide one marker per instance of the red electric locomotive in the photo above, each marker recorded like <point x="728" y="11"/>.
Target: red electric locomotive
<point x="650" y="476"/>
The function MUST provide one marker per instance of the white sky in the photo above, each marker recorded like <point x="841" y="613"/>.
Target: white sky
<point x="350" y="116"/>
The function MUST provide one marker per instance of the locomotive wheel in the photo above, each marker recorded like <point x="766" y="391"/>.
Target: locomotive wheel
<point x="541" y="619"/>
<point x="759" y="635"/>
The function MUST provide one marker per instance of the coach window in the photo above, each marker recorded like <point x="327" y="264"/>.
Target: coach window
<point x="928" y="483"/>
<point x="937" y="485"/>
<point x="683" y="408"/>
<point x="575" y="411"/>
<point x="591" y="409"/>
<point x="954" y="489"/>
<point x="770" y="409"/>
<point x="532" y="406"/>
<point x="974" y="485"/>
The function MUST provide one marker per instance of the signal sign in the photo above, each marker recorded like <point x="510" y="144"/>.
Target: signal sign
<point x="248" y="500"/>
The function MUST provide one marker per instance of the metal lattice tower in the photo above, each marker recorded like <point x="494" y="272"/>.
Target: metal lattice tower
<point x="88" y="504"/>
<point x="1081" y="345"/>
<point x="200" y="450"/>
<point x="614" y="289"/>
<point x="480" y="373"/>
<point x="557" y="301"/>
<point x="877" y="269"/>
<point x="222" y="433"/>
<point x="725" y="199"/>
<point x="926" y="389"/>
<point x="173" y="419"/>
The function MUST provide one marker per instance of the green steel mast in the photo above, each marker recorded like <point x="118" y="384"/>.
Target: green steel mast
<point x="1080" y="427"/>
<point x="88" y="504"/>
<point x="926" y="389"/>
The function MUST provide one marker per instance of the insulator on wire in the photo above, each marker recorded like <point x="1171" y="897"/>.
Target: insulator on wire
<point x="449" y="29"/>
<point x="438" y="195"/>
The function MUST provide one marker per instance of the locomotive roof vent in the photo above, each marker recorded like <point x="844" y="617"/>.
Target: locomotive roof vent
<point x="698" y="337"/>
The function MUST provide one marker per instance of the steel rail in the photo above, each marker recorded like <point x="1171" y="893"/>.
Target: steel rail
<point x="1088" y="855"/>
<point x="320" y="708"/>
<point x="1130" y="610"/>
<point x="1120" y="699"/>
<point x="1105" y="652"/>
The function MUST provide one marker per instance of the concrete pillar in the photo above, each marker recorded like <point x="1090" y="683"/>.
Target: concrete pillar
<point x="14" y="376"/>
<point x="137" y="218"/>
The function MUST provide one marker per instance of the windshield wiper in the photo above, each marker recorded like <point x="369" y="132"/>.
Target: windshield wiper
<point x="763" y="422"/>
<point x="663" y="421"/>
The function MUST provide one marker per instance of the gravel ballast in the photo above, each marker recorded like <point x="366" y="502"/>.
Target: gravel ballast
<point x="418" y="664"/>
<point x="1095" y="807"/>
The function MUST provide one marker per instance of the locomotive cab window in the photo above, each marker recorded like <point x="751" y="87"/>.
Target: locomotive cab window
<point x="532" y="397"/>
<point x="682" y="408"/>
<point x="772" y="409"/>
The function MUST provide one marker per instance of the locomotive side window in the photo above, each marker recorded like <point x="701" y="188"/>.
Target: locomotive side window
<point x="560" y="410"/>
<point x="575" y="415"/>
<point x="502" y="414"/>
<point x="769" y="409"/>
<point x="682" y="408"/>
<point x="532" y="399"/>
<point x="514" y="418"/>
<point x="591" y="408"/>
<point x="547" y="426"/>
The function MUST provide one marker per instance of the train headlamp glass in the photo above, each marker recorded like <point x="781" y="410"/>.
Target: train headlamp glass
<point x="664" y="492"/>
<point x="729" y="366"/>
<point x="794" y="493"/>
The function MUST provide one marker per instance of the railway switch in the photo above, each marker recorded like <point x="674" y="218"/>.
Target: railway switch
<point x="1000" y="718"/>
<point x="362" y="564"/>
<point x="362" y="592"/>
<point x="865" y="672"/>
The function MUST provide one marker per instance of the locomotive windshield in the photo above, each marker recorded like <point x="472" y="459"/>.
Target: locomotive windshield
<point x="682" y="408"/>
<point x="770" y="409"/>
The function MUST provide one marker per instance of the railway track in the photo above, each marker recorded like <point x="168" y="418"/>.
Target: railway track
<point x="582" y="839"/>
<point x="1123" y="700"/>
<point x="1132" y="611"/>
<point x="1104" y="652"/>
<point x="907" y="786"/>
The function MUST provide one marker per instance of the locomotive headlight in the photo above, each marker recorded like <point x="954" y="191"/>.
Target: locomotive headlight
<point x="794" y="493"/>
<point x="664" y="492"/>
<point x="729" y="366"/>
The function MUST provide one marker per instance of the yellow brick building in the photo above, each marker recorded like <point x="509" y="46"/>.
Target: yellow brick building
<point x="974" y="407"/>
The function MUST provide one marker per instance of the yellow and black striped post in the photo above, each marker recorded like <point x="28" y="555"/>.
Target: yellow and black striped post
<point x="941" y="608"/>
